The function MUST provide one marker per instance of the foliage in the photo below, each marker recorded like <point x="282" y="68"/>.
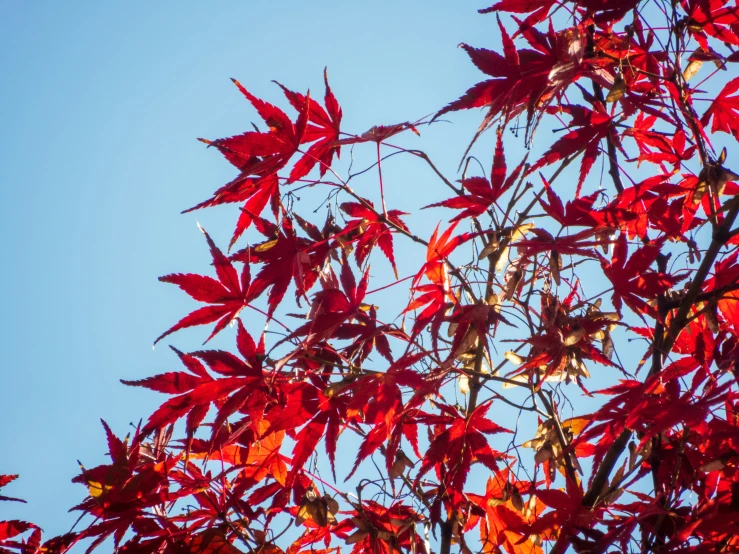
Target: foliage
<point x="649" y="462"/>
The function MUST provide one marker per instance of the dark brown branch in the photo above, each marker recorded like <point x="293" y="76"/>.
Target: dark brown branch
<point x="446" y="537"/>
<point x="566" y="450"/>
<point x="613" y="169"/>
<point x="604" y="469"/>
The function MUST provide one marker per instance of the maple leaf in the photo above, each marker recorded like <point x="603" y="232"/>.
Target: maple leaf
<point x="369" y="229"/>
<point x="197" y="390"/>
<point x="659" y="204"/>
<point x="518" y="6"/>
<point x="575" y="244"/>
<point x="592" y="127"/>
<point x="285" y="257"/>
<point x="323" y="130"/>
<point x="259" y="156"/>
<point x="725" y="110"/>
<point x="438" y="293"/>
<point x="438" y="250"/>
<point x="257" y="454"/>
<point x="600" y="10"/>
<point x="211" y="541"/>
<point x="378" y="398"/>
<point x="227" y="296"/>
<point x="366" y="335"/>
<point x="10" y="529"/>
<point x="632" y="280"/>
<point x="255" y="192"/>
<point x="659" y="148"/>
<point x="461" y="442"/>
<point x="527" y="79"/>
<point x="384" y="529"/>
<point x="436" y="298"/>
<point x="711" y="18"/>
<point x="122" y="492"/>
<point x="483" y="193"/>
<point x="11" y="540"/>
<point x="320" y="416"/>
<point x="650" y="408"/>
<point x="380" y="133"/>
<point x="567" y="514"/>
<point x="726" y="275"/>
<point x="637" y="86"/>
<point x="506" y="91"/>
<point x="5" y="480"/>
<point x="330" y="307"/>
<point x="505" y="518"/>
<point x="275" y="148"/>
<point x="580" y="212"/>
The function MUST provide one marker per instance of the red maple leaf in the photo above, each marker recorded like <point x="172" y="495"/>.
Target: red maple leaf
<point x="323" y="130"/>
<point x="725" y="110"/>
<point x="9" y="534"/>
<point x="369" y="229"/>
<point x="274" y="148"/>
<point x="380" y="133"/>
<point x="319" y="413"/>
<point x="483" y="193"/>
<point x="331" y="308"/>
<point x="227" y="296"/>
<point x="567" y="513"/>
<point x="122" y="493"/>
<point x="590" y="127"/>
<point x="632" y="279"/>
<point x="600" y="10"/>
<point x="367" y="334"/>
<point x="518" y="6"/>
<point x="378" y="399"/>
<point x="384" y="529"/>
<point x="711" y="18"/>
<point x="526" y="79"/>
<point x="650" y="204"/>
<point x="197" y="390"/>
<point x="578" y="244"/>
<point x="438" y="293"/>
<point x="4" y="480"/>
<point x="659" y="148"/>
<point x="460" y="441"/>
<point x="581" y="213"/>
<point x="285" y="257"/>
<point x="500" y="519"/>
<point x="259" y="156"/>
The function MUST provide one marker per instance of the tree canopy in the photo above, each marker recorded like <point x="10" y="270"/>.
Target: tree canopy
<point x="556" y="368"/>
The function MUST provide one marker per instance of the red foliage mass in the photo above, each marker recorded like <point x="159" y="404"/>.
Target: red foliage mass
<point x="638" y="253"/>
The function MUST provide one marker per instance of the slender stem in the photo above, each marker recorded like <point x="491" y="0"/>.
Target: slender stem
<point x="612" y="155"/>
<point x="382" y="188"/>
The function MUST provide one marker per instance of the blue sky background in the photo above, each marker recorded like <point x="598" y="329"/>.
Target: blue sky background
<point x="101" y="105"/>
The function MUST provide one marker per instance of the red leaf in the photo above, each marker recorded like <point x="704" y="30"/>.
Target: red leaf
<point x="725" y="110"/>
<point x="323" y="130"/>
<point x="10" y="529"/>
<point x="591" y="127"/>
<point x="370" y="229"/>
<point x="229" y="294"/>
<point x="285" y="257"/>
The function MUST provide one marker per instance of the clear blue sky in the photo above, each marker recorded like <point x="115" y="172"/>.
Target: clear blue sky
<point x="101" y="104"/>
